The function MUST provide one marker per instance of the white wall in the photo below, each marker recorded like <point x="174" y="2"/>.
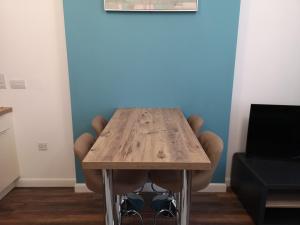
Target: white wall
<point x="267" y="64"/>
<point x="32" y="47"/>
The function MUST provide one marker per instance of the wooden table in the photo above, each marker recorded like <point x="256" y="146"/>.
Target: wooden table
<point x="147" y="139"/>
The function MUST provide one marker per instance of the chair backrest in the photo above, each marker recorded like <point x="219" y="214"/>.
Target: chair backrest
<point x="195" y="122"/>
<point x="93" y="178"/>
<point x="213" y="146"/>
<point x="98" y="124"/>
<point x="83" y="145"/>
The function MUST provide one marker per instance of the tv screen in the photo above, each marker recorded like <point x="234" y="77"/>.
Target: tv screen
<point x="274" y="132"/>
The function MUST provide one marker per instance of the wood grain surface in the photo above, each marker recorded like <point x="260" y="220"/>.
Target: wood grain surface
<point x="284" y="200"/>
<point x="147" y="139"/>
<point x="4" y="110"/>
<point x="61" y="206"/>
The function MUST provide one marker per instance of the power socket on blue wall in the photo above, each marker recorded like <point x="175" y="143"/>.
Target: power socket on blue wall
<point x="181" y="60"/>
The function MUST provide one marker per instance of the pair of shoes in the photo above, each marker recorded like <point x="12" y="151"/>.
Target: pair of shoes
<point x="163" y="204"/>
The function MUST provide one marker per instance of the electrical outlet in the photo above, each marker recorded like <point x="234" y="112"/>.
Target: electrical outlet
<point x="42" y="146"/>
<point x="17" y="84"/>
<point x="2" y="81"/>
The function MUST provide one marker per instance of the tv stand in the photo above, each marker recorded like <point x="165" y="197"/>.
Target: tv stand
<point x="268" y="189"/>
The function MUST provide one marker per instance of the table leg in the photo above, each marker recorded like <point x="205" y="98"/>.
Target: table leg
<point x="107" y="175"/>
<point x="185" y="198"/>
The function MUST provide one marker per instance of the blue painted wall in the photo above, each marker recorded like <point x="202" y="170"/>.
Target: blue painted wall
<point x="152" y="60"/>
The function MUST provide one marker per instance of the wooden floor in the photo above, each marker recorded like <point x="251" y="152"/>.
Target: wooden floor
<point x="61" y="206"/>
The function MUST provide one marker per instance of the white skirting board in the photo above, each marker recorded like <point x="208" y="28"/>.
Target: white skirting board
<point x="46" y="182"/>
<point x="8" y="189"/>
<point x="213" y="187"/>
<point x="227" y="181"/>
<point x="81" y="188"/>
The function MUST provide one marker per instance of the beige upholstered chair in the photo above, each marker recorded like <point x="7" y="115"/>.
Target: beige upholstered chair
<point x="172" y="180"/>
<point x="124" y="180"/>
<point x="213" y="146"/>
<point x="93" y="178"/>
<point x="98" y="124"/>
<point x="195" y="122"/>
<point x="168" y="178"/>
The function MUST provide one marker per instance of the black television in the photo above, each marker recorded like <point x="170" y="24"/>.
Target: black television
<point x="274" y="132"/>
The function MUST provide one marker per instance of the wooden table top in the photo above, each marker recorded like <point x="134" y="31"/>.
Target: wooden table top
<point x="147" y="139"/>
<point x="4" y="110"/>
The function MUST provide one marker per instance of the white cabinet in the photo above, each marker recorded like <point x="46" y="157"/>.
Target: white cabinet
<point x="9" y="169"/>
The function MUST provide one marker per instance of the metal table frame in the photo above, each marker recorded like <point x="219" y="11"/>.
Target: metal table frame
<point x="185" y="198"/>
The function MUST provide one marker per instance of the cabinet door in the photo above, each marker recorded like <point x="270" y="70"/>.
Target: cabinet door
<point x="9" y="170"/>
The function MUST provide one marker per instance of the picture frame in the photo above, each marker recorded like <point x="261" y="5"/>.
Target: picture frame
<point x="151" y="5"/>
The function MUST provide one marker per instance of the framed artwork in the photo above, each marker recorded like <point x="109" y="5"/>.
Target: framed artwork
<point x="151" y="5"/>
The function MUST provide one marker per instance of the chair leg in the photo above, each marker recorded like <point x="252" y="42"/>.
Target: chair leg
<point x="167" y="211"/>
<point x="134" y="213"/>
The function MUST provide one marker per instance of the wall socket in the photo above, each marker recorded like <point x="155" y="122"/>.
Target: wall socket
<point x="17" y="84"/>
<point x="2" y="81"/>
<point x="42" y="146"/>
